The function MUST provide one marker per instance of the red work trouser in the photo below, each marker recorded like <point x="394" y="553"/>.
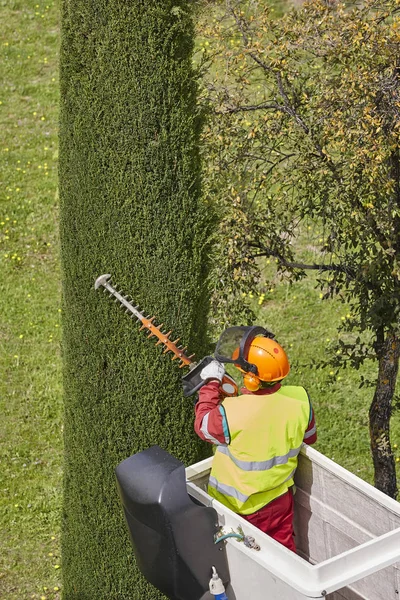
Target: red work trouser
<point x="276" y="519"/>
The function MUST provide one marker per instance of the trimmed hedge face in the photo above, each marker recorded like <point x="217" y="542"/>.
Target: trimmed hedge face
<point x="129" y="189"/>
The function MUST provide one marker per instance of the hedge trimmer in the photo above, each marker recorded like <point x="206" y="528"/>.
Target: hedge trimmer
<point x="192" y="381"/>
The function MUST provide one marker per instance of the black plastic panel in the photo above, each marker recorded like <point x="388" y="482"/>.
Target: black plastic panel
<point x="172" y="536"/>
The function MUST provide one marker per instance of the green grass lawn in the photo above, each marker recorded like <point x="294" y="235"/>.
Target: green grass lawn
<point x="30" y="363"/>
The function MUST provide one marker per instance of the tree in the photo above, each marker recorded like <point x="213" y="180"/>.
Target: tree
<point x="130" y="206"/>
<point x="307" y="131"/>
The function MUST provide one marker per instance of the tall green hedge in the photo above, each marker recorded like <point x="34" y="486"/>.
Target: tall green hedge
<point x="130" y="206"/>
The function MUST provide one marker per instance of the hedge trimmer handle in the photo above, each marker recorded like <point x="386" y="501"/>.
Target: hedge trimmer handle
<point x="192" y="381"/>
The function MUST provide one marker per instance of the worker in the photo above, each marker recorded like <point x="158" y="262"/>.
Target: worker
<point x="258" y="433"/>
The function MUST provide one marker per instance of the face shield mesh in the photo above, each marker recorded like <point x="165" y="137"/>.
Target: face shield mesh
<point x="229" y="343"/>
<point x="234" y="343"/>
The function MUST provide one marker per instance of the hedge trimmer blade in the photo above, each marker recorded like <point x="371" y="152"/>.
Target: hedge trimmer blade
<point x="147" y="323"/>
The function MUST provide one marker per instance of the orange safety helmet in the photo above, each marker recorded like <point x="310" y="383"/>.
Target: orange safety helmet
<point x="255" y="353"/>
<point x="271" y="362"/>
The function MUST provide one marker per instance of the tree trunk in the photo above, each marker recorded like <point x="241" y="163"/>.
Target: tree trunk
<point x="379" y="415"/>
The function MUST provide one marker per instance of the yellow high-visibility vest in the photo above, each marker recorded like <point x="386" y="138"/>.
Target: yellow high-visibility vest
<point x="266" y="435"/>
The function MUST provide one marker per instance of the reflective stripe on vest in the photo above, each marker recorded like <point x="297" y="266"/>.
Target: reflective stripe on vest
<point x="230" y="491"/>
<point x="266" y="433"/>
<point x="263" y="465"/>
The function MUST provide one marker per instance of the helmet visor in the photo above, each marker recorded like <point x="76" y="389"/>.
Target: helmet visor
<point x="234" y="343"/>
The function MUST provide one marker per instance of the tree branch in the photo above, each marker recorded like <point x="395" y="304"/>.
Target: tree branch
<point x="304" y="266"/>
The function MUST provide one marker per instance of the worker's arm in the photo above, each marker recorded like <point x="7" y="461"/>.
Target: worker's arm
<point x="210" y="419"/>
<point x="310" y="436"/>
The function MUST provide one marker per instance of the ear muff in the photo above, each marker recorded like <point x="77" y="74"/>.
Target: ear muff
<point x="251" y="382"/>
